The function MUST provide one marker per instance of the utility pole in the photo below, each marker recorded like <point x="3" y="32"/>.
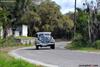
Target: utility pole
<point x="75" y="18"/>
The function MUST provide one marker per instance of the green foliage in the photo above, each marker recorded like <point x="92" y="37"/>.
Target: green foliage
<point x="81" y="39"/>
<point x="77" y="37"/>
<point x="12" y="42"/>
<point x="84" y="28"/>
<point x="78" y="42"/>
<point x="52" y="20"/>
<point x="4" y="20"/>
<point x="46" y="27"/>
<point x="8" y="42"/>
<point x="68" y="24"/>
<point x="1" y="42"/>
<point x="98" y="17"/>
<point x="50" y="14"/>
<point x="82" y="22"/>
<point x="45" y="16"/>
<point x="97" y="44"/>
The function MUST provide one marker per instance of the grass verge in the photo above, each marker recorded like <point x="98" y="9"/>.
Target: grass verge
<point x="8" y="61"/>
<point x="88" y="49"/>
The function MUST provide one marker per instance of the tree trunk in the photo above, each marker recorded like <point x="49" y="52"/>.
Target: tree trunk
<point x="5" y="33"/>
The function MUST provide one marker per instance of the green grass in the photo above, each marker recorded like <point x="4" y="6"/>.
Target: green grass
<point x="81" y="46"/>
<point x="89" y="49"/>
<point x="8" y="61"/>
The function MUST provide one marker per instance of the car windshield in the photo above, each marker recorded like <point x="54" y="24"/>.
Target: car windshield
<point x="44" y="37"/>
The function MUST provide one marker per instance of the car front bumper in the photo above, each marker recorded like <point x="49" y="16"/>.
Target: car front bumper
<point x="44" y="45"/>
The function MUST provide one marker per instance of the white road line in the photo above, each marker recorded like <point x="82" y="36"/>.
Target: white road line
<point x="14" y="54"/>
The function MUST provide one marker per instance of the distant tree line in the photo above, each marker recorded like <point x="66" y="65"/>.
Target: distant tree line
<point x="44" y="16"/>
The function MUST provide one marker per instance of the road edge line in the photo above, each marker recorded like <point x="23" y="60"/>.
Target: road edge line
<point x="17" y="56"/>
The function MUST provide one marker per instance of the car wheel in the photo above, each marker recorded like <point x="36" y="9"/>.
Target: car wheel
<point x="37" y="47"/>
<point x="52" y="47"/>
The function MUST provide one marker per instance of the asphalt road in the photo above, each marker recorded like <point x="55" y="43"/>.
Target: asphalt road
<point x="60" y="56"/>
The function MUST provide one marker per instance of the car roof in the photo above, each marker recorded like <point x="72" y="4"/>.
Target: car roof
<point x="43" y="33"/>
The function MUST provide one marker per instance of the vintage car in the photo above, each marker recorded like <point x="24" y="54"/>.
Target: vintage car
<point x="44" y="39"/>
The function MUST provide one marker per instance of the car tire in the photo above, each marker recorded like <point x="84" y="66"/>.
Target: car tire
<point x="52" y="46"/>
<point x="37" y="47"/>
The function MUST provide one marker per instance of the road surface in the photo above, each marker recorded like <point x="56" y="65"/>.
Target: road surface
<point x="60" y="57"/>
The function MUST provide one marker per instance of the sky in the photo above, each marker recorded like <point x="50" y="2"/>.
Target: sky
<point x="68" y="5"/>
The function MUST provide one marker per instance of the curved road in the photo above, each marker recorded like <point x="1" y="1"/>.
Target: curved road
<point x="59" y="57"/>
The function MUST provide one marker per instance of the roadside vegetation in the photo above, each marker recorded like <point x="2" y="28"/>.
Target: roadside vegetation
<point x="8" y="44"/>
<point x="87" y="29"/>
<point x="45" y="16"/>
<point x="11" y="42"/>
<point x="8" y="61"/>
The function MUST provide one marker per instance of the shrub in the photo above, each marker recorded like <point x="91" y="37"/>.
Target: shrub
<point x="77" y="37"/>
<point x="8" y="42"/>
<point x="78" y="42"/>
<point x="12" y="42"/>
<point x="97" y="44"/>
<point x="2" y="42"/>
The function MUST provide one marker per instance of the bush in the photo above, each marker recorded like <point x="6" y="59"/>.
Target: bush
<point x="2" y="42"/>
<point x="97" y="44"/>
<point x="12" y="42"/>
<point x="77" y="37"/>
<point x="78" y="42"/>
<point x="8" y="42"/>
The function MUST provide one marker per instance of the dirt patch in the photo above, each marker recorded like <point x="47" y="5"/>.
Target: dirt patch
<point x="8" y="49"/>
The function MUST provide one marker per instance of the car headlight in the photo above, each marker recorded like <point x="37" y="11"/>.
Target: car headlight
<point x="52" y="40"/>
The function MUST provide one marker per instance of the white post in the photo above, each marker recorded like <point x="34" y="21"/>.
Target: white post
<point x="24" y="30"/>
<point x="1" y="32"/>
<point x="16" y="33"/>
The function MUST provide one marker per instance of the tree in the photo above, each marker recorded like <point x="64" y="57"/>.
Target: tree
<point x="4" y="20"/>
<point x="45" y="16"/>
<point x="87" y="28"/>
<point x="53" y="20"/>
<point x="49" y="13"/>
<point x="82" y="24"/>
